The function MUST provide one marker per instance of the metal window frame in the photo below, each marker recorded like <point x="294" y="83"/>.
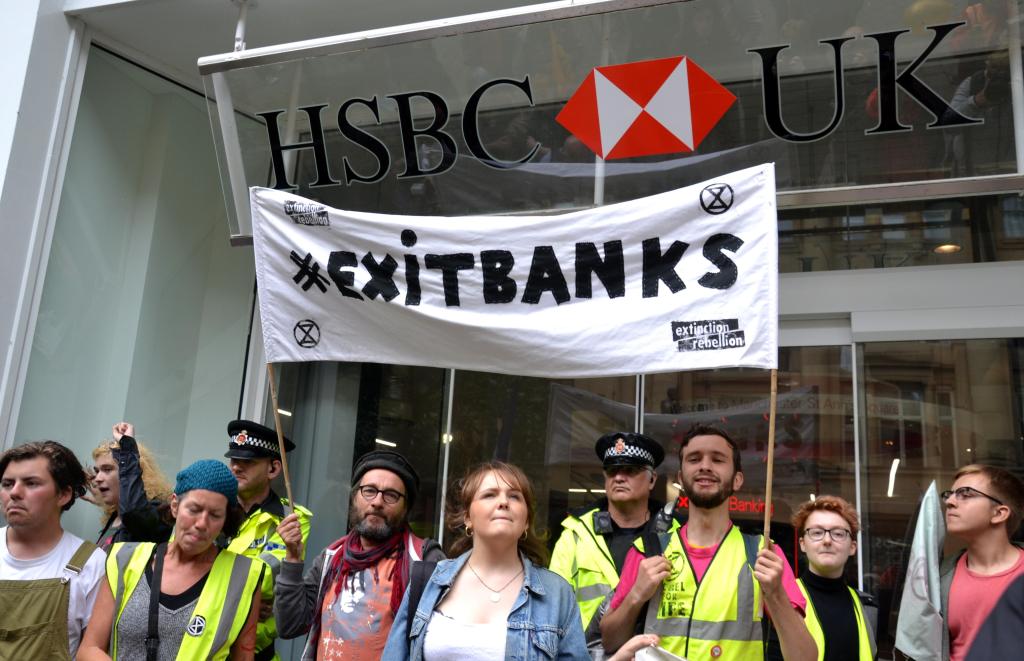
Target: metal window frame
<point x="412" y="32"/>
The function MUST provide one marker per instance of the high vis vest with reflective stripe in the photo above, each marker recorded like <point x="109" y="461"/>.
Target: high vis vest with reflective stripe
<point x="719" y="617"/>
<point x="865" y="642"/>
<point x="220" y="613"/>
<point x="582" y="558"/>
<point x="257" y="538"/>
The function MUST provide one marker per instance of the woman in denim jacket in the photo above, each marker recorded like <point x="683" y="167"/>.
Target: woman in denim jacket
<point x="495" y="600"/>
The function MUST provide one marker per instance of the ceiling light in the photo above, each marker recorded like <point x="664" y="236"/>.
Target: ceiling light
<point x="892" y="476"/>
<point x="946" y="249"/>
<point x="381" y="441"/>
<point x="283" y="412"/>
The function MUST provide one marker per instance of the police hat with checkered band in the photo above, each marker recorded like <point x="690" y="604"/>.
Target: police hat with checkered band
<point x="628" y="449"/>
<point x="250" y="440"/>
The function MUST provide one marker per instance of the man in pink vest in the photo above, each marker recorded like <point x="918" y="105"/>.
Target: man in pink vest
<point x="348" y="598"/>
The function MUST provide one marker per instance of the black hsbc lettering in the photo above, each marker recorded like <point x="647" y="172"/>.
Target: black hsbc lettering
<point x="413" y="132"/>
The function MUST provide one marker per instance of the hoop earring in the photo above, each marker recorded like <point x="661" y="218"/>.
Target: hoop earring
<point x="525" y="535"/>
<point x="469" y="531"/>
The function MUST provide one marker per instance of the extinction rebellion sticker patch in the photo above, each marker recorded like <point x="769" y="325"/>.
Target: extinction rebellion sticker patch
<point x="708" y="335"/>
<point x="305" y="213"/>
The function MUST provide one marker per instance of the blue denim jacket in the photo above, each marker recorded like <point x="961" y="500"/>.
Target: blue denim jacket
<point x="544" y="622"/>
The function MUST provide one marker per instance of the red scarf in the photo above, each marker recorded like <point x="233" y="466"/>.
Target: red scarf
<point x="349" y="556"/>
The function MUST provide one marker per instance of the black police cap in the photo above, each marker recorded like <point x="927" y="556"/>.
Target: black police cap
<point x="251" y="440"/>
<point x="629" y="449"/>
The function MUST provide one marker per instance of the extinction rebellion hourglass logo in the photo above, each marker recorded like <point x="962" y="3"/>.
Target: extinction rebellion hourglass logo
<point x="665" y="106"/>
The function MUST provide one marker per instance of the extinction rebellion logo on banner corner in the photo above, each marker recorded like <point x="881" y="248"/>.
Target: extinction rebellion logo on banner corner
<point x="664" y="106"/>
<point x="305" y="213"/>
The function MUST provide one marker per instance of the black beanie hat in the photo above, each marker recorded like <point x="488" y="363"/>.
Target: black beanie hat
<point x="390" y="461"/>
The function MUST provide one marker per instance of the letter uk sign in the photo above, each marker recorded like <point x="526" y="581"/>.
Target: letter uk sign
<point x="686" y="279"/>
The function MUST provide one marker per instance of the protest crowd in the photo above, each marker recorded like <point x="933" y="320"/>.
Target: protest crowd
<point x="214" y="566"/>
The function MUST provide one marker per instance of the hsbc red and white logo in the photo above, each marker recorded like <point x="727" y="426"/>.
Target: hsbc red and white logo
<point x="664" y="106"/>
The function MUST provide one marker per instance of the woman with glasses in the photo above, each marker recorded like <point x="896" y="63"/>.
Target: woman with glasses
<point x="495" y="600"/>
<point x="835" y="613"/>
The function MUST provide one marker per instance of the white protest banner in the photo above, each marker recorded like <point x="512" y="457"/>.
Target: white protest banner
<point x="677" y="281"/>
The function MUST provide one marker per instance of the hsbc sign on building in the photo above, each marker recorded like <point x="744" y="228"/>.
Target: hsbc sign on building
<point x="619" y="111"/>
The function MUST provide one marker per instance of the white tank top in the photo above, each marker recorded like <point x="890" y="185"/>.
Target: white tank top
<point x="450" y="640"/>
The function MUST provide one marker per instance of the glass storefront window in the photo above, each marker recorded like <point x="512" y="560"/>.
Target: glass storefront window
<point x="930" y="408"/>
<point x="963" y="230"/>
<point x="547" y="428"/>
<point x="145" y="306"/>
<point x="337" y="412"/>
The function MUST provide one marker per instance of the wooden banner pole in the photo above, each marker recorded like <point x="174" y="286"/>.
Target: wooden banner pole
<point x="771" y="459"/>
<point x="280" y="435"/>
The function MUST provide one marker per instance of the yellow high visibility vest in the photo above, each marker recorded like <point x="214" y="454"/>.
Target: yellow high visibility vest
<point x="220" y="613"/>
<point x="865" y="641"/>
<point x="582" y="558"/>
<point x="257" y="538"/>
<point x="718" y="618"/>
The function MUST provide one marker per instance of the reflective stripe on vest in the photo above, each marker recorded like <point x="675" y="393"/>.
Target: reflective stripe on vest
<point x="727" y="602"/>
<point x="865" y="645"/>
<point x="212" y="627"/>
<point x="257" y="538"/>
<point x="593" y="571"/>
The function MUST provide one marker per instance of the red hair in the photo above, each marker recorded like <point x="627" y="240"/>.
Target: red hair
<point x="827" y="504"/>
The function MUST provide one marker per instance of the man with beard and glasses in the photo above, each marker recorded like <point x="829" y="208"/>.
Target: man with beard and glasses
<point x="348" y="599"/>
<point x="703" y="589"/>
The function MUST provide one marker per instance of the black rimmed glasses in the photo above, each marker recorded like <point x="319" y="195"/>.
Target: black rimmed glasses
<point x="390" y="496"/>
<point x="966" y="493"/>
<point x="818" y="534"/>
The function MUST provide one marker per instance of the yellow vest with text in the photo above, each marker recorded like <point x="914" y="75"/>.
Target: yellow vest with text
<point x="220" y="612"/>
<point x="865" y="641"/>
<point x="582" y="558"/>
<point x="257" y="538"/>
<point x="718" y="618"/>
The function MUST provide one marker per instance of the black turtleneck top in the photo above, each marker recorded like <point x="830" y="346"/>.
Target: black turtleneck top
<point x="834" y="607"/>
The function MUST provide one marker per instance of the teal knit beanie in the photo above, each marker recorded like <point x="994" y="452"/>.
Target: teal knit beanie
<point x="208" y="474"/>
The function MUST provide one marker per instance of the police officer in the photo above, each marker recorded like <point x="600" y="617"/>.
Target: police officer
<point x="595" y="539"/>
<point x="254" y="457"/>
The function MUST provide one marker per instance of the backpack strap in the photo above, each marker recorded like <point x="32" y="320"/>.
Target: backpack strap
<point x="77" y="562"/>
<point x="419" y="574"/>
<point x="654" y="543"/>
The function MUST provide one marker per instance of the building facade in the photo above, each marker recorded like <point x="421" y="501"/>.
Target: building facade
<point x="896" y="129"/>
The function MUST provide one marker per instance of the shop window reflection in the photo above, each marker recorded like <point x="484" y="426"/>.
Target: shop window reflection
<point x="919" y="233"/>
<point x="930" y="408"/>
<point x="341" y="411"/>
<point x="546" y="427"/>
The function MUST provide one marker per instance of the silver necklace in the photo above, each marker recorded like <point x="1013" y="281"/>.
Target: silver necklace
<point x="495" y="594"/>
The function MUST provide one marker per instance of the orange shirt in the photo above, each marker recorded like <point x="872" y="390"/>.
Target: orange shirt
<point x="356" y="617"/>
